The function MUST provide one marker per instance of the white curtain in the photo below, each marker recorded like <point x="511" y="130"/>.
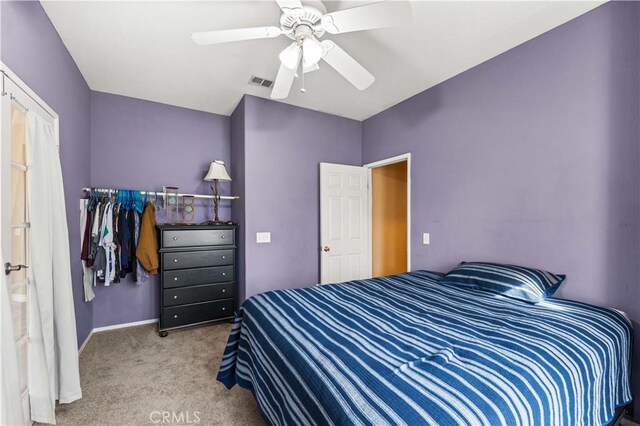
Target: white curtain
<point x="53" y="348"/>
<point x="11" y="404"/>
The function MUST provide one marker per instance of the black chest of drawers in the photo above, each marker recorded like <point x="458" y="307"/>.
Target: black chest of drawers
<point x="198" y="274"/>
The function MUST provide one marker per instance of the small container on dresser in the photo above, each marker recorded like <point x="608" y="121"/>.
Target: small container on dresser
<point x="198" y="274"/>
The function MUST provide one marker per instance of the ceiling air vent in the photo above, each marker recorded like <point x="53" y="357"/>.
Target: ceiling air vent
<point x="259" y="81"/>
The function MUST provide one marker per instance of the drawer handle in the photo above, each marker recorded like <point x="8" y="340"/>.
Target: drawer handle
<point x="175" y="238"/>
<point x="175" y="297"/>
<point x="222" y="237"/>
<point x="224" y="309"/>
<point x="175" y="316"/>
<point x="175" y="260"/>
<point x="224" y="257"/>
<point x="224" y="274"/>
<point x="224" y="290"/>
<point x="175" y="278"/>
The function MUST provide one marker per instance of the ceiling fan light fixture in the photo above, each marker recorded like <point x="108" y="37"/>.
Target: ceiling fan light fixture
<point x="311" y="51"/>
<point x="290" y="57"/>
<point x="310" y="68"/>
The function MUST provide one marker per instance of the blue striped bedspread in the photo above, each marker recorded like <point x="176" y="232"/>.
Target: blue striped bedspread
<point x="408" y="350"/>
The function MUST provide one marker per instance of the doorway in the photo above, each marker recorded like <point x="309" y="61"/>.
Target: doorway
<point x="365" y="219"/>
<point x="15" y="225"/>
<point x="390" y="215"/>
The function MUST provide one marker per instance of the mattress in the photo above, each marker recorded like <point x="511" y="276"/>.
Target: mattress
<point x="408" y="349"/>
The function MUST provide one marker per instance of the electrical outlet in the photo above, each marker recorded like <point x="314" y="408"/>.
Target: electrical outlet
<point x="263" y="237"/>
<point x="426" y="238"/>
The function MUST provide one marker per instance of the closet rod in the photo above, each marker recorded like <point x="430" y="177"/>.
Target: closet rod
<point x="161" y="193"/>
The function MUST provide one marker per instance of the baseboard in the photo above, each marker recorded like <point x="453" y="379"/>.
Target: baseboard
<point x="114" y="327"/>
<point x="84" y="344"/>
<point x="125" y="325"/>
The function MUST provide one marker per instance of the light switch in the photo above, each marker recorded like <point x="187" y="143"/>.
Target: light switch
<point x="425" y="238"/>
<point x="263" y="237"/>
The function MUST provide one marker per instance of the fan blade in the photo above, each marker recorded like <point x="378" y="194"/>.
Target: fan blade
<point x="350" y="69"/>
<point x="283" y="83"/>
<point x="375" y="15"/>
<point x="225" y="36"/>
<point x="288" y="5"/>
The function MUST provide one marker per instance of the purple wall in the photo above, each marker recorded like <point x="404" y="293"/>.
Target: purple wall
<point x="142" y="145"/>
<point x="31" y="47"/>
<point x="283" y="146"/>
<point x="533" y="158"/>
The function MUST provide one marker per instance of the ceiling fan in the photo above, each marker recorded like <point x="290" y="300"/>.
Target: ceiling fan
<point x="305" y="24"/>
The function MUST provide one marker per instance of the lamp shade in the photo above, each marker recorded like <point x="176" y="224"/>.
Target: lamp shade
<point x="217" y="171"/>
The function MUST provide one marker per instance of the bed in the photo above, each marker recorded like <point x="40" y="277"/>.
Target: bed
<point x="408" y="349"/>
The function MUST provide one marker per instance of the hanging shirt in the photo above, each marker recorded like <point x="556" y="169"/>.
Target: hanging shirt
<point x="116" y="244"/>
<point x="131" y="219"/>
<point x="93" y="241"/>
<point x="85" y="234"/>
<point x="125" y="242"/>
<point x="147" y="251"/>
<point x="85" y="228"/>
<point x="106" y="242"/>
<point x="141" y="274"/>
<point x="97" y="255"/>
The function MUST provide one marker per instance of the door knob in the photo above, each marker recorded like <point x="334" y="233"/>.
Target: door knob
<point x="326" y="248"/>
<point x="9" y="268"/>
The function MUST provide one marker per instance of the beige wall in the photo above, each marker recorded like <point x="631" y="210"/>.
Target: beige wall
<point x="389" y="219"/>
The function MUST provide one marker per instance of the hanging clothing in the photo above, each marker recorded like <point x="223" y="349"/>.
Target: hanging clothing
<point x="106" y="242"/>
<point x="116" y="244"/>
<point x="85" y="228"/>
<point x="87" y="272"/>
<point x="100" y="256"/>
<point x="96" y="218"/>
<point x="125" y="243"/>
<point x="131" y="220"/>
<point x="147" y="252"/>
<point x="53" y="348"/>
<point x="141" y="274"/>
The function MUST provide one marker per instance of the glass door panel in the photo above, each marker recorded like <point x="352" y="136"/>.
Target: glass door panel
<point x="18" y="281"/>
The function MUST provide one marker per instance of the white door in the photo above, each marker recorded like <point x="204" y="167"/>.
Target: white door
<point x="15" y="225"/>
<point x="344" y="228"/>
<point x="14" y="210"/>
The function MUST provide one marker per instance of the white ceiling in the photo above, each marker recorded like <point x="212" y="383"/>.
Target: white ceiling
<point x="144" y="50"/>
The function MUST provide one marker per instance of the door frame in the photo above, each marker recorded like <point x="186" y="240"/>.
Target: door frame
<point x="14" y="90"/>
<point x="40" y="105"/>
<point x="386" y="162"/>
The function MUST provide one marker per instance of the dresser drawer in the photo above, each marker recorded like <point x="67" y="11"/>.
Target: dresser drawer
<point x="184" y="277"/>
<point x="196" y="259"/>
<point x="203" y="237"/>
<point x="198" y="293"/>
<point x="196" y="312"/>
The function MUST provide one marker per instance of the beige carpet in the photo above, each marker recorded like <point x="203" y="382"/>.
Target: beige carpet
<point x="132" y="377"/>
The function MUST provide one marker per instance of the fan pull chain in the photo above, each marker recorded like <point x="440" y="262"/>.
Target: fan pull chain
<point x="302" y="89"/>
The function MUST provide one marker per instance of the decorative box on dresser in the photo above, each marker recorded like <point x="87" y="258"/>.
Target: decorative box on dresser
<point x="198" y="274"/>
